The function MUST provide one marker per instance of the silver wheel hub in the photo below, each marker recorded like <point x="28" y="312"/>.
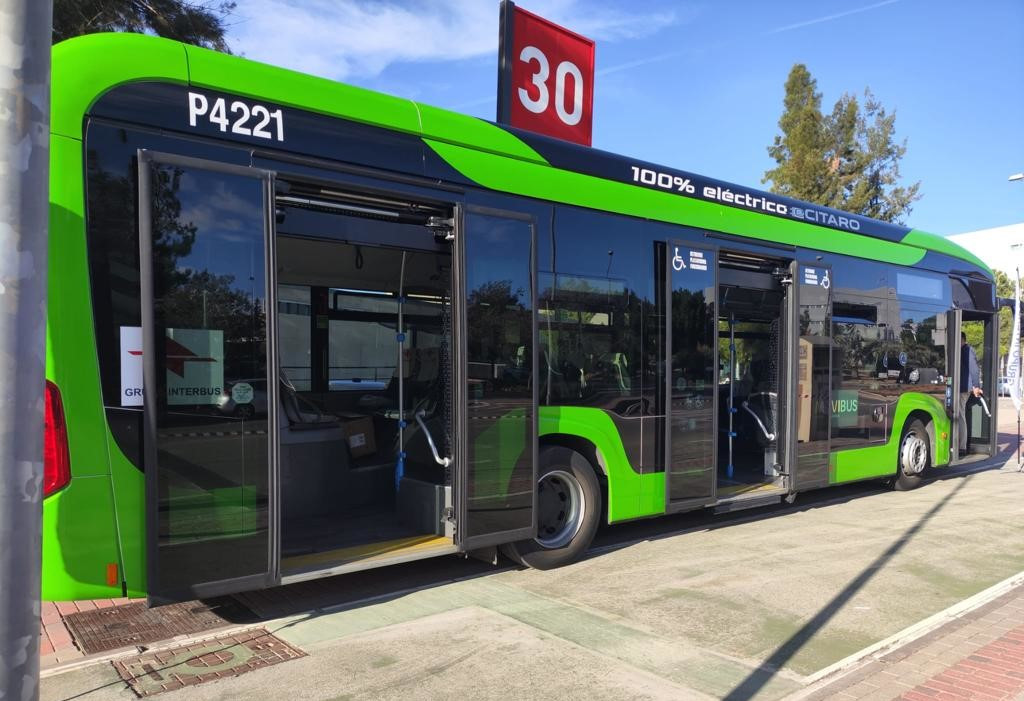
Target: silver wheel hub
<point x="913" y="454"/>
<point x="560" y="508"/>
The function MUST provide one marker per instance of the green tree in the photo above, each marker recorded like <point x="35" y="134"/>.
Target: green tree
<point x="199" y="23"/>
<point x="848" y="159"/>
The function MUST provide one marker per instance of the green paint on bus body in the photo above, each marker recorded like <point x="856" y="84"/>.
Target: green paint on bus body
<point x="100" y="518"/>
<point x="881" y="460"/>
<point x="86" y="67"/>
<point x="533" y="180"/>
<point x="80" y="536"/>
<point x="630" y="493"/>
<point x="940" y="244"/>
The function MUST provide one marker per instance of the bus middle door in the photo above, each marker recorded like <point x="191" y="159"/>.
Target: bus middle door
<point x="210" y="393"/>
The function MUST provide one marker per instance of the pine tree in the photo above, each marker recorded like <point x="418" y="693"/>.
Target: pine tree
<point x="201" y="24"/>
<point x="848" y="159"/>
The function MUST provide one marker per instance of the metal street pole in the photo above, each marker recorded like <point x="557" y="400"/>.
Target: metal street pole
<point x="25" y="30"/>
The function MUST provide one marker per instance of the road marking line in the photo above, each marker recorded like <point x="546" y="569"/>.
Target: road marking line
<point x="908" y="635"/>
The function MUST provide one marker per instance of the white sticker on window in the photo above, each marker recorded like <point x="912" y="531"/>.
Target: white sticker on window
<point x="131" y="366"/>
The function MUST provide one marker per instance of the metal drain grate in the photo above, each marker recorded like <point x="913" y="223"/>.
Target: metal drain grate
<point x="136" y="624"/>
<point x="155" y="672"/>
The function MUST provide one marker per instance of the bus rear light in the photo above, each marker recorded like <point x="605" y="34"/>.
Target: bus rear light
<point x="56" y="461"/>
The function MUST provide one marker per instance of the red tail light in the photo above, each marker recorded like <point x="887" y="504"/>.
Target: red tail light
<point x="56" y="462"/>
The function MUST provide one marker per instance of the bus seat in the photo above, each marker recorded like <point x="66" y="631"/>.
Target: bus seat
<point x="292" y="408"/>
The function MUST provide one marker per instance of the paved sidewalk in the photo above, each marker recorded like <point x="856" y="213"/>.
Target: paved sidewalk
<point x="909" y="595"/>
<point x="979" y="655"/>
<point x="56" y="645"/>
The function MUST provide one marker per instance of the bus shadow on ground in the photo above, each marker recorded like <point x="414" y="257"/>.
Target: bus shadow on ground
<point x="375" y="586"/>
<point x="763" y="674"/>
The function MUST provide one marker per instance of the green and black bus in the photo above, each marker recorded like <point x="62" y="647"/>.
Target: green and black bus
<point x="297" y="328"/>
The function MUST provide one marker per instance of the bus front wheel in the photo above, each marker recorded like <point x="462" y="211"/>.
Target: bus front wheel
<point x="914" y="457"/>
<point x="568" y="511"/>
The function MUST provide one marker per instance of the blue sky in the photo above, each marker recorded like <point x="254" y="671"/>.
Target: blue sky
<point x="699" y="85"/>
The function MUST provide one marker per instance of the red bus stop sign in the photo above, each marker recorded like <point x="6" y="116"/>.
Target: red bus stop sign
<point x="545" y="77"/>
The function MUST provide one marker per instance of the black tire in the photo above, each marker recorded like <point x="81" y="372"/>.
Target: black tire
<point x="568" y="511"/>
<point x="914" y="456"/>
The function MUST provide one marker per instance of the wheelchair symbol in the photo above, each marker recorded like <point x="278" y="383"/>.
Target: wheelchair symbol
<point x="677" y="260"/>
<point x="825" y="282"/>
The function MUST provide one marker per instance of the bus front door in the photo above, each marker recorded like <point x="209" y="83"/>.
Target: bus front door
<point x="970" y="415"/>
<point x="692" y="349"/>
<point x="496" y="395"/>
<point x="209" y="384"/>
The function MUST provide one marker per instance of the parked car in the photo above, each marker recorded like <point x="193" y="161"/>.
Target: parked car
<point x="1004" y="386"/>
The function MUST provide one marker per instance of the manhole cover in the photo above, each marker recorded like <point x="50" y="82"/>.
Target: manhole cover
<point x="154" y="672"/>
<point x="136" y="624"/>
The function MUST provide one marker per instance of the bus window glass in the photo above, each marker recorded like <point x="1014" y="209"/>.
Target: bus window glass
<point x="499" y="354"/>
<point x="861" y="355"/>
<point x="916" y="285"/>
<point x="294" y="318"/>
<point x="921" y="357"/>
<point x="209" y="291"/>
<point x="361" y="340"/>
<point x="583" y="325"/>
<point x="860" y="278"/>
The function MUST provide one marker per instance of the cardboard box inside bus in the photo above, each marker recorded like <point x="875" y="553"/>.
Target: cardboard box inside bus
<point x="358" y="430"/>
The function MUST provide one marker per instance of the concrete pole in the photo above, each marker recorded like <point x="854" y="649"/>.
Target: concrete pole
<point x="25" y="30"/>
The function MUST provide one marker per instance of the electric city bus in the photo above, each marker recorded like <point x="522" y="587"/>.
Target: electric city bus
<point x="297" y="329"/>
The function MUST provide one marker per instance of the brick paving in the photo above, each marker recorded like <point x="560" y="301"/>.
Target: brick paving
<point x="56" y="645"/>
<point x="978" y="656"/>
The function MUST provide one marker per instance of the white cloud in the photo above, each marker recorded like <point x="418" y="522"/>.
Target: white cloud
<point x="345" y="39"/>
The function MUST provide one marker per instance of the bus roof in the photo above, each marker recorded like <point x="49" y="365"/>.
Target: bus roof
<point x="494" y="156"/>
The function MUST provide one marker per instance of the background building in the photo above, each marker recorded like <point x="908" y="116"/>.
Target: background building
<point x="1002" y="248"/>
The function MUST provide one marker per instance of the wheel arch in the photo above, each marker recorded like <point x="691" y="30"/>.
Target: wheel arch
<point x="589" y="450"/>
<point x="929" y="427"/>
<point x="931" y="412"/>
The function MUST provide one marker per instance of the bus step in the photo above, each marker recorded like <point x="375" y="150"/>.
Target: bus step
<point x="747" y="503"/>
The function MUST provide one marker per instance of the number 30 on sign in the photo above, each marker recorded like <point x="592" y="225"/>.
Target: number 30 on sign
<point x="547" y="82"/>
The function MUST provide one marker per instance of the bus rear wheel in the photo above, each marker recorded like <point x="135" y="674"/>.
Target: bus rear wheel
<point x="568" y="511"/>
<point x="914" y="456"/>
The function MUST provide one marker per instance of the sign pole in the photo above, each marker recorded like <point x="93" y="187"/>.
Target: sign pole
<point x="25" y="42"/>
<point x="505" y="43"/>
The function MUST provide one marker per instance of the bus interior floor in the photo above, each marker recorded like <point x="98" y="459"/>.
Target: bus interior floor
<point x="314" y="534"/>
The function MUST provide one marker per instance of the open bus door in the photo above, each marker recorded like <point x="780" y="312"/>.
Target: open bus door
<point x="208" y="295"/>
<point x="495" y="388"/>
<point x="979" y="413"/>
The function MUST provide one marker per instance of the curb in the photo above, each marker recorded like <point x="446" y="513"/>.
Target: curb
<point x="836" y="671"/>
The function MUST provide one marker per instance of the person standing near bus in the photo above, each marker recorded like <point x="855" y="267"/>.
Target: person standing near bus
<point x="970" y="381"/>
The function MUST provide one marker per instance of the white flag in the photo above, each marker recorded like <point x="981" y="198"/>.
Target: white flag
<point x="1013" y="357"/>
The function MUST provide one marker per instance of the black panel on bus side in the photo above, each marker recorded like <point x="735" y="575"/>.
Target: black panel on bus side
<point x="612" y="166"/>
<point x="166" y="106"/>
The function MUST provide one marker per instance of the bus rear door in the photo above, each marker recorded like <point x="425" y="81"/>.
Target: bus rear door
<point x="207" y="295"/>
